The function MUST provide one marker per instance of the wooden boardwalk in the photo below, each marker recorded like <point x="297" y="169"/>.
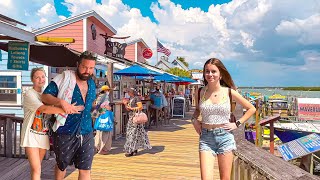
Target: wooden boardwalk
<point x="174" y="156"/>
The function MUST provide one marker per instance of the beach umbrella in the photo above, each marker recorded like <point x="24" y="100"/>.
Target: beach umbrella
<point x="136" y="70"/>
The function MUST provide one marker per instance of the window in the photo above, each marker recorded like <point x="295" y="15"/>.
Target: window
<point x="10" y="88"/>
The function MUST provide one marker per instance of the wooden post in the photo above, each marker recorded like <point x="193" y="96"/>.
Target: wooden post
<point x="257" y="123"/>
<point x="311" y="164"/>
<point x="271" y="138"/>
<point x="110" y="79"/>
<point x="8" y="150"/>
<point x="270" y="120"/>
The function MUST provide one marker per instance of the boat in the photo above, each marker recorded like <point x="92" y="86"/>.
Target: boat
<point x="278" y="106"/>
<point x="288" y="131"/>
<point x="305" y="121"/>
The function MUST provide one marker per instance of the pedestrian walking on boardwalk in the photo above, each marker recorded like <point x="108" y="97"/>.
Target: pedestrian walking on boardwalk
<point x="34" y="132"/>
<point x="136" y="136"/>
<point x="215" y="129"/>
<point x="103" y="139"/>
<point x="73" y="140"/>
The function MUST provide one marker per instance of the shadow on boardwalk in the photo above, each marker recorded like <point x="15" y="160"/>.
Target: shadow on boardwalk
<point x="174" y="156"/>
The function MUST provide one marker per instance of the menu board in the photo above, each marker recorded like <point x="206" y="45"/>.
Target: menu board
<point x="300" y="147"/>
<point x="178" y="105"/>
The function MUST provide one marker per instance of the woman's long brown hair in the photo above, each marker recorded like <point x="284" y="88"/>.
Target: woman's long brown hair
<point x="226" y="79"/>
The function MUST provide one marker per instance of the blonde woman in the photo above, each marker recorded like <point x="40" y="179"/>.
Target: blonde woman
<point x="34" y="129"/>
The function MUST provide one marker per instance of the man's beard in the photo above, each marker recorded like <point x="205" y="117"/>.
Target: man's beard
<point x="82" y="76"/>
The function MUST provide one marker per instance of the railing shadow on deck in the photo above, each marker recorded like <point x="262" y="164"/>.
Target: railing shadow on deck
<point x="252" y="162"/>
<point x="10" y="133"/>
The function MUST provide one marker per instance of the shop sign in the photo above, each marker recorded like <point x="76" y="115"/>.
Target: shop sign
<point x="115" y="49"/>
<point x="147" y="53"/>
<point x="18" y="55"/>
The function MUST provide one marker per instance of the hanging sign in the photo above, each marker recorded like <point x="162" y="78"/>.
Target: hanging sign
<point x="18" y="55"/>
<point x="115" y="49"/>
<point x="147" y="53"/>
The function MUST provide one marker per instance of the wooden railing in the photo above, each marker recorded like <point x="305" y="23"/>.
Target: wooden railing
<point x="10" y="133"/>
<point x="252" y="162"/>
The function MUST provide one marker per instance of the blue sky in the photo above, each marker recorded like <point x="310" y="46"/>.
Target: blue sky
<point x="261" y="42"/>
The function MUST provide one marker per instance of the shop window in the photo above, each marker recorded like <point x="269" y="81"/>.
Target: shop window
<point x="10" y="88"/>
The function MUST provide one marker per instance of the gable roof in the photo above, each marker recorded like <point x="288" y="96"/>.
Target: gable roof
<point x="136" y="41"/>
<point x="166" y="63"/>
<point x="72" y="20"/>
<point x="181" y="64"/>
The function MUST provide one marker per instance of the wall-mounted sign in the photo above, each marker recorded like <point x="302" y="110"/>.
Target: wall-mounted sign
<point x="93" y="31"/>
<point x="18" y="55"/>
<point x="147" y="53"/>
<point x="115" y="49"/>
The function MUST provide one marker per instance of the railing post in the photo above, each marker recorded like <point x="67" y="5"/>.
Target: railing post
<point x="9" y="145"/>
<point x="271" y="137"/>
<point x="270" y="120"/>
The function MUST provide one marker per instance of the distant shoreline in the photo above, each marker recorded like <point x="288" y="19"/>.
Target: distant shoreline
<point x="302" y="88"/>
<point x="286" y="88"/>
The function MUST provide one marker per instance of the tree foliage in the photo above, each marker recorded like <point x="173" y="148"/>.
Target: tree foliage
<point x="179" y="72"/>
<point x="183" y="60"/>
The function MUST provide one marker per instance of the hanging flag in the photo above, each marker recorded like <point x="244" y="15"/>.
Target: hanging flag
<point x="162" y="49"/>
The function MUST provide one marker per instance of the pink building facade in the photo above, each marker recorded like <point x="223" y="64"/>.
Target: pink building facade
<point x="84" y="28"/>
<point x="134" y="50"/>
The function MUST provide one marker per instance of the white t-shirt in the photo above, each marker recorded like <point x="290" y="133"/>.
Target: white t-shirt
<point x="34" y="129"/>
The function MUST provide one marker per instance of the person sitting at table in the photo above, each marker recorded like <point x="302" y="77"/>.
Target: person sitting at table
<point x="156" y="102"/>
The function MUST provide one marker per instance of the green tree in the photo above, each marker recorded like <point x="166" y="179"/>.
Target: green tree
<point x="179" y="72"/>
<point x="183" y="60"/>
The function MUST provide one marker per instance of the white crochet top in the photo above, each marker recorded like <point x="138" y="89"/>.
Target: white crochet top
<point x="215" y="113"/>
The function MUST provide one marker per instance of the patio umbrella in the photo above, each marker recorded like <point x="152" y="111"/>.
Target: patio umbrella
<point x="167" y="78"/>
<point x="136" y="70"/>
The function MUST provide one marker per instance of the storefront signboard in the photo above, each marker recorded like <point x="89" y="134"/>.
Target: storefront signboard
<point x="18" y="55"/>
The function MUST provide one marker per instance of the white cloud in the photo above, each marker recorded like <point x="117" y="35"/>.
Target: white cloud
<point x="284" y="35"/>
<point x="47" y="10"/>
<point x="6" y="3"/>
<point x="35" y="14"/>
<point x="307" y="31"/>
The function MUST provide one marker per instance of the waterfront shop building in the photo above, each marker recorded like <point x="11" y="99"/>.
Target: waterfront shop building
<point x="14" y="82"/>
<point x="91" y="32"/>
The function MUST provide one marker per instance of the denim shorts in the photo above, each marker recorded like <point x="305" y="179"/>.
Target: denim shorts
<point x="217" y="140"/>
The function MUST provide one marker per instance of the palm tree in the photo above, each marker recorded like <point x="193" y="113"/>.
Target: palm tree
<point x="183" y="60"/>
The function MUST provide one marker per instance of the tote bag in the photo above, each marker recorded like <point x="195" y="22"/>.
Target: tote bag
<point x="104" y="122"/>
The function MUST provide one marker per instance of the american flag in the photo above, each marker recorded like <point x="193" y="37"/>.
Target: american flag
<point x="162" y="49"/>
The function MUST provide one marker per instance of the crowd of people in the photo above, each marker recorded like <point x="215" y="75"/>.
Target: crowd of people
<point x="69" y="106"/>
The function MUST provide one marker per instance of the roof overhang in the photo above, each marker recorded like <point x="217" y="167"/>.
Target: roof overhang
<point x="50" y="55"/>
<point x="137" y="41"/>
<point x="14" y="33"/>
<point x="72" y="20"/>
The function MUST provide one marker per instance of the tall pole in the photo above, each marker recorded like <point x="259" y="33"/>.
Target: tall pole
<point x="157" y="51"/>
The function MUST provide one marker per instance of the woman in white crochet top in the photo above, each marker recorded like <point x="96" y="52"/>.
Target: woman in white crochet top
<point x="215" y="128"/>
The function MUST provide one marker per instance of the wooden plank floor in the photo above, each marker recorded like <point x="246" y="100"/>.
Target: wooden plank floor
<point x="174" y="156"/>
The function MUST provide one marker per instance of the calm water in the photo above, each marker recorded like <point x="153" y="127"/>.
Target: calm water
<point x="269" y="92"/>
